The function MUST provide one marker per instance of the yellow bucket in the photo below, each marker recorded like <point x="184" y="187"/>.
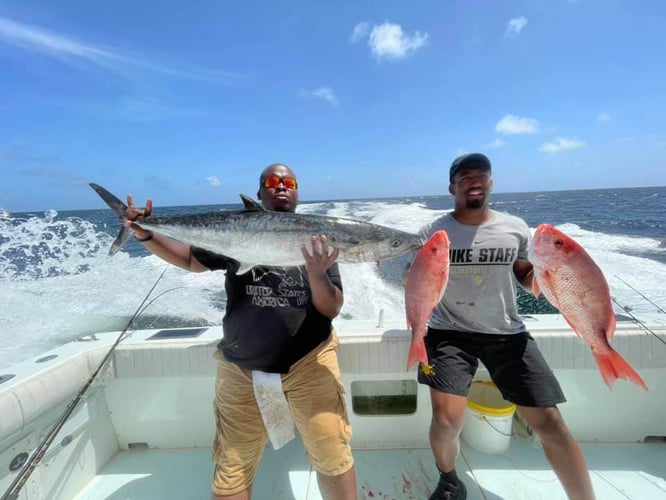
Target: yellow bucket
<point x="488" y="419"/>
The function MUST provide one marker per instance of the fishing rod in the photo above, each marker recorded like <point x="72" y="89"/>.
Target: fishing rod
<point x="659" y="308"/>
<point x="627" y="309"/>
<point x="30" y="465"/>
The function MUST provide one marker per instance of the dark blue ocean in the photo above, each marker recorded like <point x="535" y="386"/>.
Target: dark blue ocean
<point x="57" y="281"/>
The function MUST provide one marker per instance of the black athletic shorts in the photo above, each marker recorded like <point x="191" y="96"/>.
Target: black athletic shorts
<point x="514" y="362"/>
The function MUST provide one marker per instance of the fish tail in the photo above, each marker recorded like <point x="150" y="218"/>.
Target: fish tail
<point x="613" y="366"/>
<point x="417" y="352"/>
<point x="120" y="209"/>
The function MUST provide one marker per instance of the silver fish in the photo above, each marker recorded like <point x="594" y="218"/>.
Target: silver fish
<point x="255" y="236"/>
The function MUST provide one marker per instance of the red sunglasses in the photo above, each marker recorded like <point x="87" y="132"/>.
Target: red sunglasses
<point x="274" y="181"/>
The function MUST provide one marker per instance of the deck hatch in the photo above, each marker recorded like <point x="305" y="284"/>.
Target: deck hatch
<point x="177" y="333"/>
<point x="384" y="397"/>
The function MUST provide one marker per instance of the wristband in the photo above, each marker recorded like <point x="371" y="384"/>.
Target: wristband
<point x="147" y="238"/>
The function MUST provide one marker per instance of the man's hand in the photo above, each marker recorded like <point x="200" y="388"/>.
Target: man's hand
<point x="321" y="258"/>
<point x="326" y="297"/>
<point x="133" y="213"/>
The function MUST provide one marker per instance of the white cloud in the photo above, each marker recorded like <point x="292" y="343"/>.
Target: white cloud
<point x="561" y="144"/>
<point x="388" y="41"/>
<point x="497" y="143"/>
<point x="514" y="125"/>
<point x="325" y="93"/>
<point x="29" y="37"/>
<point x="68" y="50"/>
<point x="361" y="30"/>
<point x="213" y="181"/>
<point x="515" y="26"/>
<point x="604" y="117"/>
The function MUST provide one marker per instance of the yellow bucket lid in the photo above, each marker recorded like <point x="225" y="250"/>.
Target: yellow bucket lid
<point x="488" y="410"/>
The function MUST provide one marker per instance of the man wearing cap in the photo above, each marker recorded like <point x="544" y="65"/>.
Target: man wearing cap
<point x="477" y="320"/>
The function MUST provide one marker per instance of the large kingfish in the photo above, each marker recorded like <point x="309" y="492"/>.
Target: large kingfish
<point x="255" y="236"/>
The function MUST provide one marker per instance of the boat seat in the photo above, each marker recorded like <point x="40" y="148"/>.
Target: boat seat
<point x="41" y="392"/>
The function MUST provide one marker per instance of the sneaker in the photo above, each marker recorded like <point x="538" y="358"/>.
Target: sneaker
<point x="447" y="490"/>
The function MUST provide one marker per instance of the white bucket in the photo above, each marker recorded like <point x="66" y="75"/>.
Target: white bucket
<point x="488" y="419"/>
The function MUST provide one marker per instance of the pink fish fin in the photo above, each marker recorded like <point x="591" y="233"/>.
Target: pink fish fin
<point x="572" y="326"/>
<point x="417" y="352"/>
<point x="441" y="294"/>
<point x="535" y="287"/>
<point x="613" y="366"/>
<point x="610" y="327"/>
<point x="551" y="294"/>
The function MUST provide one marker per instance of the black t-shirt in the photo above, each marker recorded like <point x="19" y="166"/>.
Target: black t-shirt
<point x="270" y="321"/>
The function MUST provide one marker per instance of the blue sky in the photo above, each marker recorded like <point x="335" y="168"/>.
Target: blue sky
<point x="186" y="102"/>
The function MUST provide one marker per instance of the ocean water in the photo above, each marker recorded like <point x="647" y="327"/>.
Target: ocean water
<point x="57" y="281"/>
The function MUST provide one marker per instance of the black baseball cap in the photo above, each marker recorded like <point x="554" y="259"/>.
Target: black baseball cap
<point x="467" y="160"/>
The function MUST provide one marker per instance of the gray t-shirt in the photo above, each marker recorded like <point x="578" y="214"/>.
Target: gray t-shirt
<point x="481" y="292"/>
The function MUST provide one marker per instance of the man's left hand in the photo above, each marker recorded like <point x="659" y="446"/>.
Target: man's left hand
<point x="321" y="257"/>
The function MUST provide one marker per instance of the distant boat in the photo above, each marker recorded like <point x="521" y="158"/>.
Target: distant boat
<point x="4" y="214"/>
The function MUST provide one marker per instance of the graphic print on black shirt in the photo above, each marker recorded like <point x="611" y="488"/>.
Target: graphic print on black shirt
<point x="288" y="293"/>
<point x="270" y="322"/>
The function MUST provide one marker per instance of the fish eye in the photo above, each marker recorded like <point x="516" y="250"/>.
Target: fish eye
<point x="559" y="242"/>
<point x="396" y="243"/>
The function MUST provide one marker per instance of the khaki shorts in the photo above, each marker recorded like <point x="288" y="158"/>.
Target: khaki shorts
<point x="316" y="400"/>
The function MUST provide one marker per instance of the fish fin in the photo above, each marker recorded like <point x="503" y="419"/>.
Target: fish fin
<point x="549" y="290"/>
<point x="445" y="282"/>
<point x="417" y="352"/>
<point x="114" y="203"/>
<point x="120" y="209"/>
<point x="613" y="366"/>
<point x="123" y="237"/>
<point x="536" y="290"/>
<point x="249" y="205"/>
<point x="612" y="322"/>
<point x="571" y="325"/>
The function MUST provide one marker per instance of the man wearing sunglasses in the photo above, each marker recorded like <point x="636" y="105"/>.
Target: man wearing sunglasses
<point x="277" y="324"/>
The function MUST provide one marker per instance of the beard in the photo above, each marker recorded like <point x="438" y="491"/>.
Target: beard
<point x="474" y="204"/>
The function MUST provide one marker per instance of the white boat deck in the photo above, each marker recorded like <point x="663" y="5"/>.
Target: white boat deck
<point x="144" y="429"/>
<point x="631" y="471"/>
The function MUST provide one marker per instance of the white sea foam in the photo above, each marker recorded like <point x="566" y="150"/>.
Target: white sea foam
<point x="57" y="281"/>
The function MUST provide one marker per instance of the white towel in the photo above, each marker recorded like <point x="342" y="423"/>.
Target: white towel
<point x="273" y="407"/>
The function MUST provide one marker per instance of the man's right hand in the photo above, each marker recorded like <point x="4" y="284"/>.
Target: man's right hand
<point x="133" y="213"/>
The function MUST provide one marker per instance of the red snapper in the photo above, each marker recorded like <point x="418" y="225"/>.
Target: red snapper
<point x="424" y="288"/>
<point x="571" y="281"/>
